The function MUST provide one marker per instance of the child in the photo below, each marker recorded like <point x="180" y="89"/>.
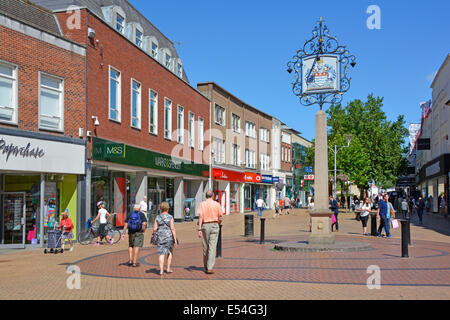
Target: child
<point x="66" y="227"/>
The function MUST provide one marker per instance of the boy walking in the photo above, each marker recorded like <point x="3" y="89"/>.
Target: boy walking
<point x="135" y="223"/>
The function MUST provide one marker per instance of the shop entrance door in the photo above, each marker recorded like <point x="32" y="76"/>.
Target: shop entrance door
<point x="12" y="219"/>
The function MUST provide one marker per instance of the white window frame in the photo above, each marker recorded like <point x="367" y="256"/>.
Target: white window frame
<point x="118" y="96"/>
<point x="250" y="129"/>
<point x="236" y="154"/>
<point x="219" y="150"/>
<point x="138" y="41"/>
<point x="168" y="64"/>
<point x="138" y="104"/>
<point x="191" y="129"/>
<point x="200" y="133"/>
<point x="61" y="102"/>
<point x="155" y="112"/>
<point x="167" y="121"/>
<point x="116" y="23"/>
<point x="264" y="134"/>
<point x="154" y="53"/>
<point x="223" y="118"/>
<point x="180" y="124"/>
<point x="237" y="128"/>
<point x="15" y="92"/>
<point x="264" y="161"/>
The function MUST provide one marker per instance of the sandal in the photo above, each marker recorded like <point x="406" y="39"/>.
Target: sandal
<point x="129" y="263"/>
<point x="161" y="272"/>
<point x="169" y="271"/>
<point x="136" y="265"/>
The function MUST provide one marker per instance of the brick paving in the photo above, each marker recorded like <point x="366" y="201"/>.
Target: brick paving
<point x="247" y="270"/>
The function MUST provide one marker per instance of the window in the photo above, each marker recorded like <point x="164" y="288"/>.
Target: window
<point x="51" y="103"/>
<point x="153" y="112"/>
<point x="236" y="123"/>
<point x="179" y="70"/>
<point x="114" y="94"/>
<point x="282" y="153"/>
<point x="8" y="93"/>
<point x="250" y="130"/>
<point x="264" y="161"/>
<point x="120" y="23"/>
<point x="200" y="134"/>
<point x="180" y="125"/>
<point x="236" y="153"/>
<point x="219" y="115"/>
<point x="250" y="159"/>
<point x="219" y="150"/>
<point x="135" y="104"/>
<point x="167" y="119"/>
<point x="168" y="61"/>
<point x="138" y="38"/>
<point x="264" y="134"/>
<point x="191" y="129"/>
<point x="154" y="50"/>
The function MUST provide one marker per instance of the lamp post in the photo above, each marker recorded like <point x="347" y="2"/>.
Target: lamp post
<point x="336" y="150"/>
<point x="321" y="76"/>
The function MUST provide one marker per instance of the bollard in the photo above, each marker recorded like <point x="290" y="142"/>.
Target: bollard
<point x="404" y="223"/>
<point x="261" y="236"/>
<point x="408" y="227"/>
<point x="219" y="243"/>
<point x="248" y="225"/>
<point x="373" y="225"/>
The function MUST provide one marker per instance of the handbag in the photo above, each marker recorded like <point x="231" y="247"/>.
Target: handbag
<point x="154" y="239"/>
<point x="333" y="219"/>
<point x="394" y="223"/>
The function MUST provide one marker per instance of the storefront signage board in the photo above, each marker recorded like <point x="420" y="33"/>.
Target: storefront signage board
<point x="252" y="177"/>
<point x="228" y="175"/>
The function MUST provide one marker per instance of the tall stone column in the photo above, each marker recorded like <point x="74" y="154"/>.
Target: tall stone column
<point x="321" y="214"/>
<point x="178" y="201"/>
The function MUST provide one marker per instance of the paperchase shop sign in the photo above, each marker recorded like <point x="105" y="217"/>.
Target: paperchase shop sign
<point x="10" y="149"/>
<point x="40" y="155"/>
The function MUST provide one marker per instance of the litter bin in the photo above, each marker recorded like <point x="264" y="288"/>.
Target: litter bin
<point x="248" y="225"/>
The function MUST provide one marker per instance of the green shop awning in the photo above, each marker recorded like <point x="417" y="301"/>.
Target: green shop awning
<point x="104" y="150"/>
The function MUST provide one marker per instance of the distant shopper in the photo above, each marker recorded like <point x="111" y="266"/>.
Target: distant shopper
<point x="143" y="207"/>
<point x="287" y="204"/>
<point x="310" y="207"/>
<point x="384" y="214"/>
<point x="103" y="216"/>
<point x="404" y="207"/>
<point x="277" y="209"/>
<point x="364" y="214"/>
<point x="167" y="237"/>
<point x="66" y="227"/>
<point x="135" y="223"/>
<point x="209" y="219"/>
<point x="420" y="206"/>
<point x="334" y="207"/>
<point x="260" y="204"/>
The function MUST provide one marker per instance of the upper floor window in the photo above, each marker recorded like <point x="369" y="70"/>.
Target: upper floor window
<point x="180" y="117"/>
<point x="250" y="159"/>
<point x="51" y="103"/>
<point x="236" y="154"/>
<point x="264" y="161"/>
<point x="120" y="23"/>
<point x="167" y="119"/>
<point x="264" y="134"/>
<point x="191" y="129"/>
<point x="135" y="104"/>
<point x="153" y="112"/>
<point x="154" y="51"/>
<point x="250" y="129"/>
<point x="8" y="93"/>
<point x="219" y="115"/>
<point x="138" y="38"/>
<point x="179" y="70"/>
<point x="114" y="94"/>
<point x="236" y="123"/>
<point x="168" y="61"/>
<point x="200" y="134"/>
<point x="219" y="150"/>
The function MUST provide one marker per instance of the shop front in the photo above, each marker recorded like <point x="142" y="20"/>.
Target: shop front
<point x="227" y="186"/>
<point x="123" y="175"/>
<point x="433" y="181"/>
<point x="40" y="177"/>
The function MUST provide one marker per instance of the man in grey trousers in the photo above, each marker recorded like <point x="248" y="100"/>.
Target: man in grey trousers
<point x="210" y="217"/>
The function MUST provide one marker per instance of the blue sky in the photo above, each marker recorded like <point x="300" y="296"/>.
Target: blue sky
<point x="244" y="47"/>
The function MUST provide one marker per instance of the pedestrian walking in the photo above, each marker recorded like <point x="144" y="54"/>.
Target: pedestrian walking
<point x="210" y="217"/>
<point x="287" y="204"/>
<point x="364" y="214"/>
<point x="66" y="227"/>
<point x="103" y="216"/>
<point x="404" y="207"/>
<point x="277" y="209"/>
<point x="260" y="204"/>
<point x="348" y="203"/>
<point x="164" y="226"/>
<point x="310" y="207"/>
<point x="136" y="224"/>
<point x="334" y="207"/>
<point x="384" y="213"/>
<point x="420" y="205"/>
<point x="143" y="207"/>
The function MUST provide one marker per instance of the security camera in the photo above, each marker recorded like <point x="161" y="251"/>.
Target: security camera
<point x="95" y="118"/>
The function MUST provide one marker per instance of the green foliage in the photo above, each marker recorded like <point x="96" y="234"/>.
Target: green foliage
<point x="376" y="152"/>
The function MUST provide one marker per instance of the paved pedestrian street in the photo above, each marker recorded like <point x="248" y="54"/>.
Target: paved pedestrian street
<point x="247" y="269"/>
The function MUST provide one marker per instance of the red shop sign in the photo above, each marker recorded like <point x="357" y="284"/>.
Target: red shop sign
<point x="228" y="175"/>
<point x="252" y="177"/>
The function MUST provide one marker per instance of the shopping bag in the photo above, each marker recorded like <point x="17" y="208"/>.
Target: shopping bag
<point x="333" y="219"/>
<point x="394" y="223"/>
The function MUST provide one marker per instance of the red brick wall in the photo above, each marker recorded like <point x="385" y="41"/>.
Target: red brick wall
<point x="286" y="165"/>
<point x="33" y="56"/>
<point x="115" y="50"/>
